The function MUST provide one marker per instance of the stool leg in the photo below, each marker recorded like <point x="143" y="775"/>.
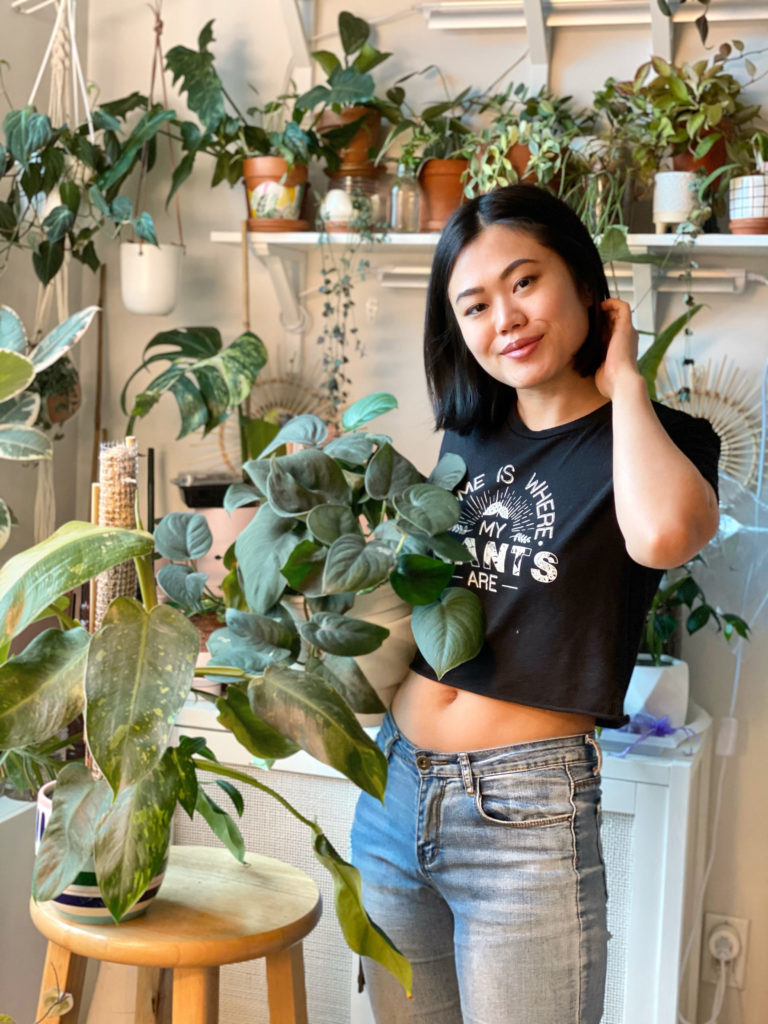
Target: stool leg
<point x="285" y="986"/>
<point x="195" y="995"/>
<point x="66" y="971"/>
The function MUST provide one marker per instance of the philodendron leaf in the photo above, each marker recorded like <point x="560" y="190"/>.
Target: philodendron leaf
<point x="221" y="824"/>
<point x="183" y="535"/>
<point x="24" y="444"/>
<point x="305" y="429"/>
<point x="302" y="706"/>
<point x="237" y="495"/>
<point x="41" y="689"/>
<point x="182" y="584"/>
<point x="450" y="471"/>
<point x="347" y="679"/>
<point x="261" y="550"/>
<point x="450" y="631"/>
<point x="133" y="838"/>
<point x="258" y="738"/>
<point x="13" y="336"/>
<point x="353" y="449"/>
<point x="326" y="523"/>
<point x="76" y="552"/>
<point x="79" y="802"/>
<point x="419" y="579"/>
<point x="16" y="374"/>
<point x="298" y="482"/>
<point x="251" y="642"/>
<point x="389" y="473"/>
<point x="140" y="669"/>
<point x="354" y="564"/>
<point x="181" y="758"/>
<point x="341" y="634"/>
<point x="361" y="933"/>
<point x="367" y="409"/>
<point x="428" y="508"/>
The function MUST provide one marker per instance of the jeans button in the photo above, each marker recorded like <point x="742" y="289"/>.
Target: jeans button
<point x="422" y="761"/>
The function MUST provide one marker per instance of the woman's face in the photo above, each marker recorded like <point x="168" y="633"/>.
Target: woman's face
<point x="520" y="313"/>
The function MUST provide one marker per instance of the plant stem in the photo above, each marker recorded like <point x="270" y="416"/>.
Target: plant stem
<point x="232" y="773"/>
<point x="220" y="670"/>
<point x="146" y="580"/>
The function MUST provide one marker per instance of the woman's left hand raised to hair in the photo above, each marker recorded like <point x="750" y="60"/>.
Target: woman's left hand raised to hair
<point x="621" y="347"/>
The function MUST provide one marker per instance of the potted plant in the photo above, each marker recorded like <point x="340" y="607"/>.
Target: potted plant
<point x="21" y="366"/>
<point x="132" y="677"/>
<point x="349" y="114"/>
<point x="748" y="191"/>
<point x="64" y="183"/>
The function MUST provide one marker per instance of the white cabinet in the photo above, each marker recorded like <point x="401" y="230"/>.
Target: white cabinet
<point x="654" y="826"/>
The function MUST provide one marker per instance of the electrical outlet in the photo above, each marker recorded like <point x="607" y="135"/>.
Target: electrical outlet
<point x="710" y="967"/>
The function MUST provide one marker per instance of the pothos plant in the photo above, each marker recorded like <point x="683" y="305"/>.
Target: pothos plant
<point x="130" y="680"/>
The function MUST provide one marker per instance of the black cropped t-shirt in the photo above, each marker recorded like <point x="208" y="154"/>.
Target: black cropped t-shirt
<point x="564" y="602"/>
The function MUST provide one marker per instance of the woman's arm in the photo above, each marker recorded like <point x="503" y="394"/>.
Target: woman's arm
<point x="665" y="508"/>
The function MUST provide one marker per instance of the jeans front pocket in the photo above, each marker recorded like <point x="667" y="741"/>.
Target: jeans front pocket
<point x="528" y="798"/>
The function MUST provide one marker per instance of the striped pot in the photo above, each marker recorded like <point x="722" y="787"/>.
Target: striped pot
<point x="81" y="901"/>
<point x="748" y="204"/>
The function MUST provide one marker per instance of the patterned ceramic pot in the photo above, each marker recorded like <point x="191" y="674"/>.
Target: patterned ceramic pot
<point x="748" y="204"/>
<point x="81" y="901"/>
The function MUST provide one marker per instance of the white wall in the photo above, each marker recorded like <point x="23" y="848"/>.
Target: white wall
<point x="252" y="47"/>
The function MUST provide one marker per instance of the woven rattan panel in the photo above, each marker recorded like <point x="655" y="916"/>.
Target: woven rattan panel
<point x="271" y="830"/>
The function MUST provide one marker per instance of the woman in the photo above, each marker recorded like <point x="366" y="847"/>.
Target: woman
<point x="484" y="865"/>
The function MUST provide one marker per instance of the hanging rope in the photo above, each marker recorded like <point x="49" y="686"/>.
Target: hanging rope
<point x="158" y="64"/>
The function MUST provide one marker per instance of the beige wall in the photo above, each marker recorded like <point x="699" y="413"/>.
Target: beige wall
<point x="252" y="47"/>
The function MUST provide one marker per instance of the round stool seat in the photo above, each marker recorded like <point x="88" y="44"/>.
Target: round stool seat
<point x="210" y="910"/>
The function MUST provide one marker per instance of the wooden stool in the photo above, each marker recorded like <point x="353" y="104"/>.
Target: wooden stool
<point x="210" y="910"/>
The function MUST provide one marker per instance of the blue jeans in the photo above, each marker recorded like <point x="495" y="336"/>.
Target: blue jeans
<point x="485" y="870"/>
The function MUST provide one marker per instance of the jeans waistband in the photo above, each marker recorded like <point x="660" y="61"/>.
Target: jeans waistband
<point x="580" y="748"/>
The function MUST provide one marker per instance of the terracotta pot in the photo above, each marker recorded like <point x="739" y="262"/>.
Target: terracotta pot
<point x="63" y="405"/>
<point x="518" y="156"/>
<point x="716" y="157"/>
<point x="274" y="194"/>
<point x="748" y="205"/>
<point x="355" y="156"/>
<point x="442" y="192"/>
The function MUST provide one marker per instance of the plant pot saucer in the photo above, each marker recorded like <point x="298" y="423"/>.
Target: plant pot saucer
<point x="748" y="226"/>
<point x="276" y="224"/>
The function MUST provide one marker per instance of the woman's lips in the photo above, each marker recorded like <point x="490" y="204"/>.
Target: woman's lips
<point x="521" y="347"/>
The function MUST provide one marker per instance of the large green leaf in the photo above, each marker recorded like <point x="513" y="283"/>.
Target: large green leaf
<point x="420" y="579"/>
<point x="367" y="409"/>
<point x="450" y="471"/>
<point x="361" y="933"/>
<point x="26" y="132"/>
<point x="327" y="523"/>
<point x="47" y="260"/>
<point x="348" y="680"/>
<point x="13" y="337"/>
<point x="353" y="31"/>
<point x="199" y="80"/>
<point x="24" y="444"/>
<point x="139" y="671"/>
<point x="389" y="473"/>
<point x="304" y="568"/>
<point x="258" y="738"/>
<point x="58" y="223"/>
<point x="183" y="585"/>
<point x="76" y="552"/>
<point x="41" y="689"/>
<point x="341" y="634"/>
<point x="649" y="362"/>
<point x="302" y="706"/>
<point x="450" y="631"/>
<point x="79" y="802"/>
<point x="16" y="374"/>
<point x="354" y="564"/>
<point x="221" y="824"/>
<point x="61" y="339"/>
<point x="298" y="482"/>
<point x="306" y="429"/>
<point x="430" y="509"/>
<point x="133" y="837"/>
<point x="183" y="535"/>
<point x="239" y="365"/>
<point x="353" y="449"/>
<point x="251" y="642"/>
<point x="261" y="550"/>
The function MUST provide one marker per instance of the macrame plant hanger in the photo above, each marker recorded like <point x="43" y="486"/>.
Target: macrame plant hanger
<point x="67" y="92"/>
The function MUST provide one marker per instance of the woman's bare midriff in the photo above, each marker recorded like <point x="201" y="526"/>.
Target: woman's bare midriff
<point x="434" y="716"/>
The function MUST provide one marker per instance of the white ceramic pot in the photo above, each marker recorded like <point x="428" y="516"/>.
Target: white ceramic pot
<point x="149" y="277"/>
<point x="748" y="204"/>
<point x="659" y="690"/>
<point x="673" y="198"/>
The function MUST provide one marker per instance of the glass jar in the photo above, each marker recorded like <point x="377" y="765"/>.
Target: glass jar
<point x="404" y="200"/>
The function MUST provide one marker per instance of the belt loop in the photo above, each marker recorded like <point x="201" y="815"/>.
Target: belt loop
<point x="466" y="774"/>
<point x="593" y="742"/>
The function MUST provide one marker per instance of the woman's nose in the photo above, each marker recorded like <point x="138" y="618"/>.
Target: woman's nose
<point x="508" y="314"/>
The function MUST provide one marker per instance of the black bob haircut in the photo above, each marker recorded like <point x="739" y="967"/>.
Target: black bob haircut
<point x="464" y="397"/>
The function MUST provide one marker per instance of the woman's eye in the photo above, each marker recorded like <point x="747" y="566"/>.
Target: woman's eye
<point x="523" y="282"/>
<point x="477" y="308"/>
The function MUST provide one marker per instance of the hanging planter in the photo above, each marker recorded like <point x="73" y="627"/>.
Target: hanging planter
<point x="274" y="194"/>
<point x="748" y="204"/>
<point x="149" y="277"/>
<point x="673" y="198"/>
<point x="442" y="191"/>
